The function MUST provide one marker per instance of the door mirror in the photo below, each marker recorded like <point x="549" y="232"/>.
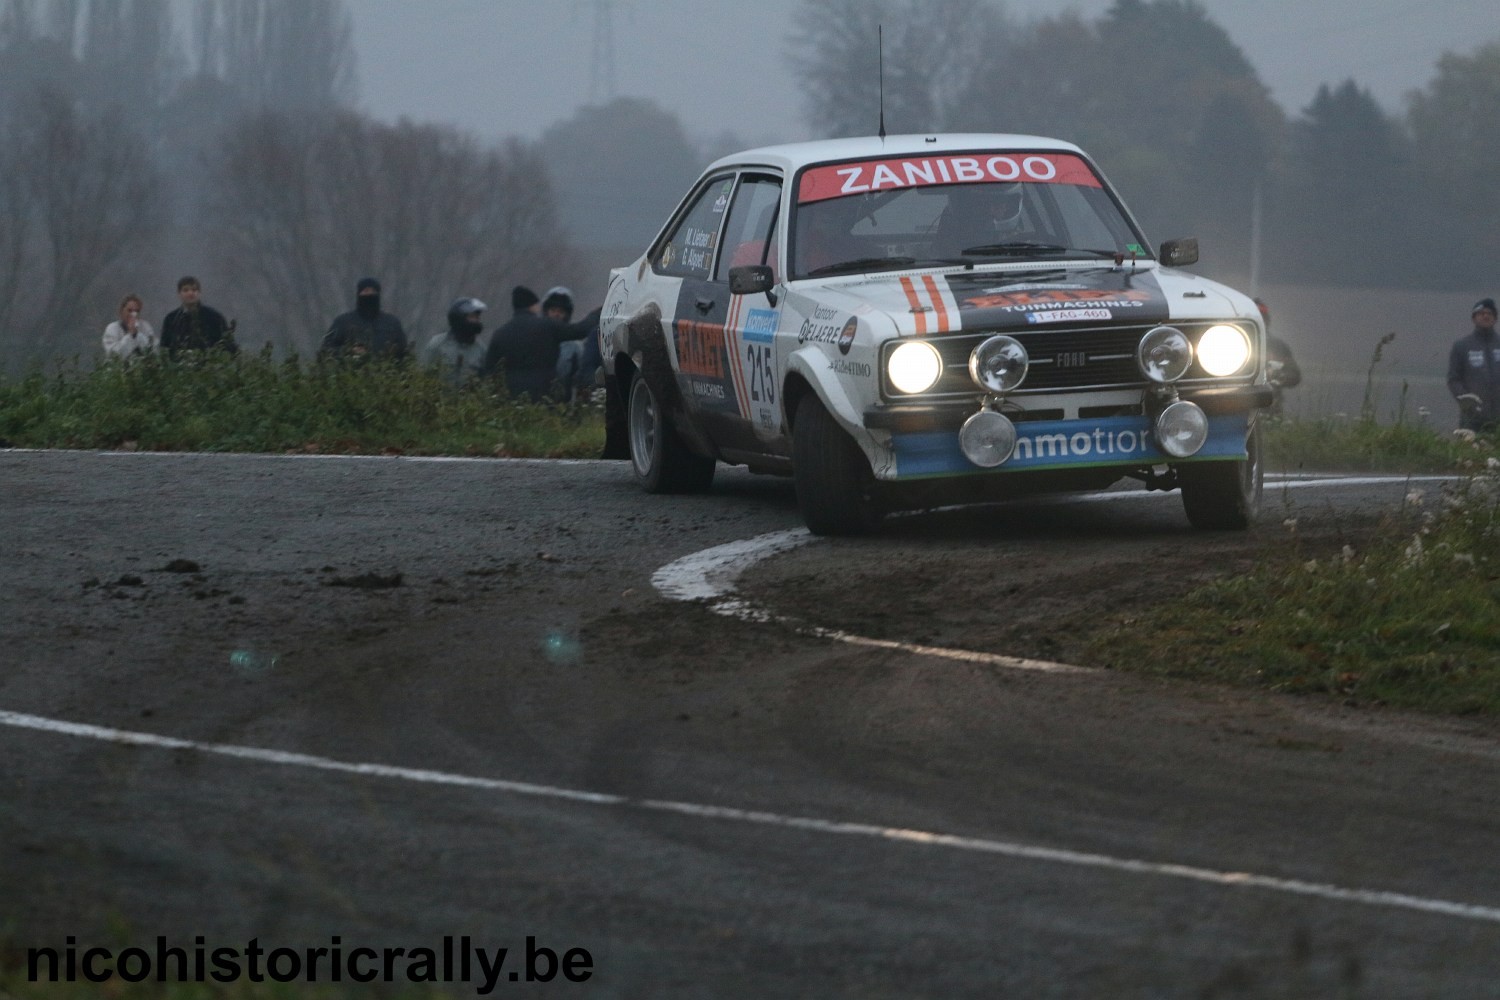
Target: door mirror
<point x="751" y="279"/>
<point x="1179" y="253"/>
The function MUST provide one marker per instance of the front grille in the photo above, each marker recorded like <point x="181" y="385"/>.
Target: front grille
<point x="1061" y="359"/>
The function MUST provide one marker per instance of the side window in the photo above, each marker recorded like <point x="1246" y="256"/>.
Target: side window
<point x="689" y="250"/>
<point x="752" y="218"/>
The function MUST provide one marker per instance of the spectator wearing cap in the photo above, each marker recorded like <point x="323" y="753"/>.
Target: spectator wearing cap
<point x="458" y="354"/>
<point x="365" y="331"/>
<point x="1474" y="371"/>
<point x="578" y="357"/>
<point x="525" y="349"/>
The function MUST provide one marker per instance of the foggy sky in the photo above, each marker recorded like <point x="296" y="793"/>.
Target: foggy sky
<point x="513" y="67"/>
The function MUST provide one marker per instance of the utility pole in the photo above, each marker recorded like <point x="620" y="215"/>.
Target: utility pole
<point x="1255" y="216"/>
<point x="602" y="65"/>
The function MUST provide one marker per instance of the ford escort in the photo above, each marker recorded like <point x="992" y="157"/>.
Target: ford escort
<point x="912" y="321"/>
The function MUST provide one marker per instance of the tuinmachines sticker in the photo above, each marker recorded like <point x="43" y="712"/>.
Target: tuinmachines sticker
<point x="1089" y="296"/>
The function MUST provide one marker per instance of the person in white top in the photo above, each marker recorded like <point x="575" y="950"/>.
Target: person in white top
<point x="129" y="334"/>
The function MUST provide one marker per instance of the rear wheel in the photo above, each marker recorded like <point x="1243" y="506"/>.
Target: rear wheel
<point x="663" y="464"/>
<point x="835" y="488"/>
<point x="1225" y="495"/>
<point x="616" y="430"/>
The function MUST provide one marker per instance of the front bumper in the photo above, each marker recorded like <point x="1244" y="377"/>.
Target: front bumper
<point x="912" y="418"/>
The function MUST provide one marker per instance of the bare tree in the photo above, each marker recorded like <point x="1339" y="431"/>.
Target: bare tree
<point x="304" y="207"/>
<point x="127" y="48"/>
<point x="77" y="192"/>
<point x="932" y="51"/>
<point x="16" y="234"/>
<point x="288" y="56"/>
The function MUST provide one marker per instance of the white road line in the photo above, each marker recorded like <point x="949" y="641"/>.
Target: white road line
<point x="710" y="575"/>
<point x="921" y="838"/>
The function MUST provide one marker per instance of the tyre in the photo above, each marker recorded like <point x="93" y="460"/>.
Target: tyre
<point x="835" y="488"/>
<point x="1225" y="495"/>
<point x="616" y="429"/>
<point x="663" y="464"/>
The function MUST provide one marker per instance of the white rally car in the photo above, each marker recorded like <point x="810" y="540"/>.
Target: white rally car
<point x="921" y="320"/>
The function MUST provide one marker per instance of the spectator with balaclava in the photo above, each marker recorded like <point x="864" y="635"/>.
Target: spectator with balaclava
<point x="365" y="331"/>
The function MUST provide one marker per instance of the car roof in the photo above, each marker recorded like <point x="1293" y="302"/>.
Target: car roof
<point x="793" y="156"/>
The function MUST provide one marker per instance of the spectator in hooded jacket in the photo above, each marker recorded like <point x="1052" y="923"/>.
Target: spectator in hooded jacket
<point x="129" y="335"/>
<point x="458" y="355"/>
<point x="526" y="348"/>
<point x="365" y="332"/>
<point x="577" y="358"/>
<point x="194" y="326"/>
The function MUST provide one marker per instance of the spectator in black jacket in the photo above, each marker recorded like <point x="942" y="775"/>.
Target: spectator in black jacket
<point x="194" y="326"/>
<point x="525" y="348"/>
<point x="365" y="331"/>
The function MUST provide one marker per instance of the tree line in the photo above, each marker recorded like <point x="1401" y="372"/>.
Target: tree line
<point x="1346" y="193"/>
<point x="144" y="139"/>
<point x="134" y="150"/>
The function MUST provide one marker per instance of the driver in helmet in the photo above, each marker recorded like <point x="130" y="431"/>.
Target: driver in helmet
<point x="979" y="215"/>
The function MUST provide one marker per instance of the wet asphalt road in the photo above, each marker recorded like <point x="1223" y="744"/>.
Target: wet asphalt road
<point x="765" y="814"/>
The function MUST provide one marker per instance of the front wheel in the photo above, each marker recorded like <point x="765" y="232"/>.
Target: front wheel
<point x="1225" y="495"/>
<point x="835" y="488"/>
<point x="663" y="463"/>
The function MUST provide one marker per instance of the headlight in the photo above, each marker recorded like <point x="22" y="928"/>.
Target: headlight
<point x="914" y="367"/>
<point x="1223" y="350"/>
<point x="1164" y="354"/>
<point x="999" y="364"/>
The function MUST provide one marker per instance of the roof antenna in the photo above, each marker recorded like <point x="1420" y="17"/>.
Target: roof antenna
<point x="880" y="47"/>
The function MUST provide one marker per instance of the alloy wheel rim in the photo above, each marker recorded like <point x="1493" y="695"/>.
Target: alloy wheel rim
<point x="642" y="427"/>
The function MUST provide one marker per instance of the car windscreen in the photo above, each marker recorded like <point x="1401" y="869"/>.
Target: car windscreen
<point x="961" y="209"/>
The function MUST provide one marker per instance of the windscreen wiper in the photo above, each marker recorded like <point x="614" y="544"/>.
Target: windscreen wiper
<point x="1012" y="249"/>
<point x="861" y="264"/>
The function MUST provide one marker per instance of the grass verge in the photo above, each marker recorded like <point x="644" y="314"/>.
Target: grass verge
<point x="255" y="404"/>
<point x="1412" y="621"/>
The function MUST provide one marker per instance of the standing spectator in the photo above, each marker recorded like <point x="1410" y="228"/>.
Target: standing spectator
<point x="1281" y="368"/>
<point x="578" y="356"/>
<point x="526" y="348"/>
<point x="194" y="326"/>
<point x="458" y="354"/>
<point x="129" y="335"/>
<point x="1474" y="371"/>
<point x="365" y="331"/>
